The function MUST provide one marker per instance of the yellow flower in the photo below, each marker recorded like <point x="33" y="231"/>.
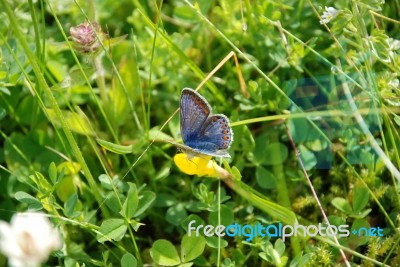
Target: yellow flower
<point x="201" y="165"/>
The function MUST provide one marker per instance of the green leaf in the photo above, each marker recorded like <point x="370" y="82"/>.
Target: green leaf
<point x="396" y="119"/>
<point x="342" y="204"/>
<point x="65" y="187"/>
<point x="299" y="128"/>
<point x="361" y="214"/>
<point x="77" y="252"/>
<point x="360" y="198"/>
<point x="135" y="224"/>
<point x="70" y="205"/>
<point x="265" y="179"/>
<point x="163" y="172"/>
<point x="226" y="216"/>
<point x="280" y="246"/>
<point x="358" y="238"/>
<point x="307" y="157"/>
<point x="114" y="41"/>
<point x="118" y="149"/>
<point x="24" y="111"/>
<point x="145" y="200"/>
<point x="301" y="260"/>
<point x="75" y="77"/>
<point x="204" y="6"/>
<point x="164" y="253"/>
<point x="343" y="21"/>
<point x="192" y="247"/>
<point x="318" y="144"/>
<point x="274" y="210"/>
<point x="75" y="122"/>
<point x="216" y="242"/>
<point x="31" y="201"/>
<point x="111" y="229"/>
<point x="186" y="13"/>
<point x="131" y="202"/>
<point x="128" y="260"/>
<point x="259" y="154"/>
<point x="236" y="173"/>
<point x="192" y="217"/>
<point x="105" y="181"/>
<point x="155" y="133"/>
<point x="275" y="154"/>
<point x="176" y="214"/>
<point x="271" y="255"/>
<point x="165" y="200"/>
<point x="42" y="182"/>
<point x="3" y="112"/>
<point x="53" y="172"/>
<point x="112" y="201"/>
<point x="24" y="149"/>
<point x="375" y="5"/>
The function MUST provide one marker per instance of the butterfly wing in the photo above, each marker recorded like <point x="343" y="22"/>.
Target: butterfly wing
<point x="216" y="136"/>
<point x="194" y="111"/>
<point x="202" y="133"/>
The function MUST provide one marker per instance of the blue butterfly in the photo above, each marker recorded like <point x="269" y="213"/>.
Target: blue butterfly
<point x="202" y="132"/>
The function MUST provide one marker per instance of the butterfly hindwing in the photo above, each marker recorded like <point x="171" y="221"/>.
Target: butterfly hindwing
<point x="216" y="134"/>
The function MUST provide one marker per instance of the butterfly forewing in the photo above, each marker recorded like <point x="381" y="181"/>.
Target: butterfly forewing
<point x="194" y="111"/>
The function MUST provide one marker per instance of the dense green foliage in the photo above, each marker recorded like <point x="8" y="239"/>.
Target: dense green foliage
<point x="82" y="136"/>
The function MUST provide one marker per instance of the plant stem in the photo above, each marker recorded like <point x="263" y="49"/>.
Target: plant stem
<point x="316" y="196"/>
<point x="283" y="193"/>
<point x="43" y="84"/>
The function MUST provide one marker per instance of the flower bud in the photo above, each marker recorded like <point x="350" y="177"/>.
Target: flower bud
<point x="84" y="38"/>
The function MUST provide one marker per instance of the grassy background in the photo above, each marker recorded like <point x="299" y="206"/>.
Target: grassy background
<point x="132" y="207"/>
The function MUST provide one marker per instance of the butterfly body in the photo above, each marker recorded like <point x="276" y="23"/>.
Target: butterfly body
<point x="202" y="132"/>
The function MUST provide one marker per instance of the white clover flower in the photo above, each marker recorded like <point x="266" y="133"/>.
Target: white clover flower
<point x="393" y="46"/>
<point x="394" y="83"/>
<point x="329" y="14"/>
<point x="28" y="240"/>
